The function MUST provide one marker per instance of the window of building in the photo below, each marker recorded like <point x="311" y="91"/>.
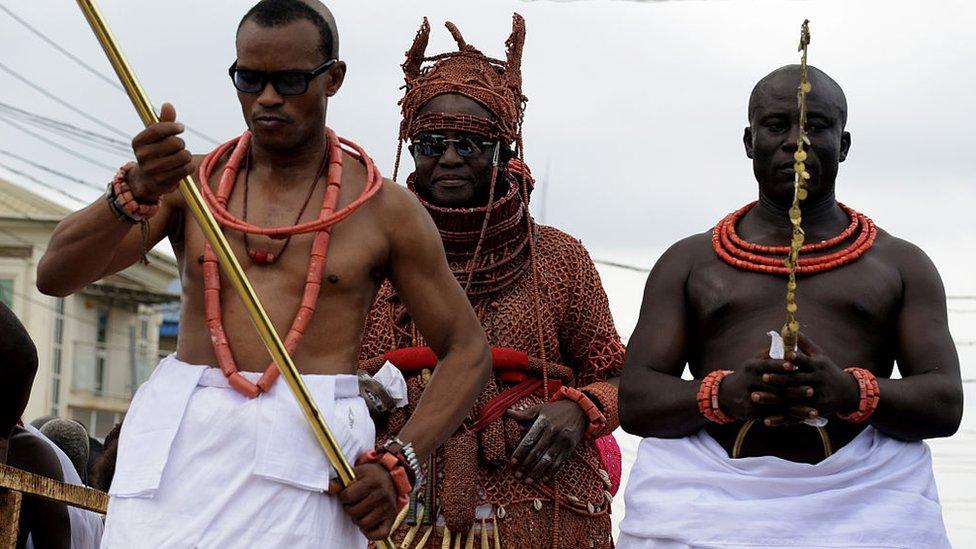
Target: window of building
<point x="57" y="355"/>
<point x="100" y="351"/>
<point x="7" y="292"/>
<point x="98" y="422"/>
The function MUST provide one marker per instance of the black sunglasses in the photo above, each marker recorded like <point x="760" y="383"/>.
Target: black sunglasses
<point x="432" y="144"/>
<point x="284" y="82"/>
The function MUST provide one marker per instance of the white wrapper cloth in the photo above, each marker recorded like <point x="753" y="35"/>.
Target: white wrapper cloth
<point x="874" y="492"/>
<point x="200" y="465"/>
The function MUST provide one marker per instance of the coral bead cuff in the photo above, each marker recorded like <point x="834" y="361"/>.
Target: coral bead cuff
<point x="123" y="203"/>
<point x="398" y="473"/>
<point x="870" y="395"/>
<point x="593" y="414"/>
<point x="708" y="398"/>
<point x="604" y="395"/>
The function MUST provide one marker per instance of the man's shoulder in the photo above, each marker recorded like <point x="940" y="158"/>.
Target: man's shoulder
<point x="31" y="453"/>
<point x="895" y="252"/>
<point x="551" y="237"/>
<point x="395" y="202"/>
<point x="559" y="250"/>
<point x="689" y="250"/>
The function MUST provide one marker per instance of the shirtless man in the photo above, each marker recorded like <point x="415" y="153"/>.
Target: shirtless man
<point x="884" y="303"/>
<point x="200" y="462"/>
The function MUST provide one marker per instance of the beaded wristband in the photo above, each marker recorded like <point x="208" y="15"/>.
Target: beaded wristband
<point x="126" y="202"/>
<point x="405" y="453"/>
<point x="397" y="472"/>
<point x="604" y="395"/>
<point x="870" y="395"/>
<point x="708" y="398"/>
<point x="593" y="414"/>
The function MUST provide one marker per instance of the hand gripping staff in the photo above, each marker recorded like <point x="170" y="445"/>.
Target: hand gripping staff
<point x="234" y="272"/>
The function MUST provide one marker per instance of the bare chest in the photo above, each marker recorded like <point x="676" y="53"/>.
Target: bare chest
<point x="850" y="312"/>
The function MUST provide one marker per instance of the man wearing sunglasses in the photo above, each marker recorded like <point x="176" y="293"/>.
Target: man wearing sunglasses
<point x="222" y="457"/>
<point x="524" y="472"/>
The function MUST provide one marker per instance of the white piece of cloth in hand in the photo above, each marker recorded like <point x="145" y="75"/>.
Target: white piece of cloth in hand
<point x="390" y="377"/>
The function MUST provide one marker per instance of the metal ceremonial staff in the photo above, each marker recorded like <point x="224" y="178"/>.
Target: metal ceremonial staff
<point x="791" y="329"/>
<point x="227" y="259"/>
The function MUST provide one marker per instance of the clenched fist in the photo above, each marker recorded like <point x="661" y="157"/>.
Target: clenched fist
<point x="162" y="157"/>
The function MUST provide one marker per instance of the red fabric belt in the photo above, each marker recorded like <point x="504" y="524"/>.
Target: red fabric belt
<point x="510" y="365"/>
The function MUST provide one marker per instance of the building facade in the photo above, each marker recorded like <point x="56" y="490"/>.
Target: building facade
<point x="94" y="347"/>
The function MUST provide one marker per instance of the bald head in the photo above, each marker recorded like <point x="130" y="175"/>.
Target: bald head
<point x="278" y="13"/>
<point x="785" y="80"/>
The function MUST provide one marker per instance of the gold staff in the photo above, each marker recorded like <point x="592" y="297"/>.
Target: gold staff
<point x="227" y="259"/>
<point x="791" y="329"/>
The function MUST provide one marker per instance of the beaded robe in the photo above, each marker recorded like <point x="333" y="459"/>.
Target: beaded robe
<point x="580" y="346"/>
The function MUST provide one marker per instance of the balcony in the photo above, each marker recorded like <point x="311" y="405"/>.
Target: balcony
<point x="108" y="372"/>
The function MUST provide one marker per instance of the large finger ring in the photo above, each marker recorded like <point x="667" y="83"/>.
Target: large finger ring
<point x="546" y="457"/>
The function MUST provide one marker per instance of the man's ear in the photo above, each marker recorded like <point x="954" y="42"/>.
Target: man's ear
<point x="845" y="145"/>
<point x="747" y="140"/>
<point x="337" y="75"/>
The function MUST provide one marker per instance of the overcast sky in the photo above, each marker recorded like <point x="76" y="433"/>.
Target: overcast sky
<point x="635" y="110"/>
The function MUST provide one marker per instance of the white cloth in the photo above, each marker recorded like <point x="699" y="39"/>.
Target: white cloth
<point x="201" y="465"/>
<point x="874" y="492"/>
<point x="391" y="378"/>
<point x="86" y="526"/>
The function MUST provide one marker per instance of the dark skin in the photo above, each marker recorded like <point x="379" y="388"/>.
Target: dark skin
<point x="390" y="236"/>
<point x="46" y="521"/>
<point x="552" y="430"/>
<point x="887" y="306"/>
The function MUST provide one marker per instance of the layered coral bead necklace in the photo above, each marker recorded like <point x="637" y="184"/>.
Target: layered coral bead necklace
<point x="322" y="227"/>
<point x="760" y="258"/>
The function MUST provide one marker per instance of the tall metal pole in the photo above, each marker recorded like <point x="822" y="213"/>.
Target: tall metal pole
<point x="232" y="268"/>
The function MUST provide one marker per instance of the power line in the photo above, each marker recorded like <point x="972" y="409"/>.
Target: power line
<point x="60" y="101"/>
<point x="16" y="236"/>
<point x="65" y="52"/>
<point x="57" y="145"/>
<point x="66" y="314"/>
<point x="621" y="265"/>
<point x="62" y="132"/>
<point x="43" y="183"/>
<point x="61" y="126"/>
<point x="52" y="171"/>
<point x="102" y="76"/>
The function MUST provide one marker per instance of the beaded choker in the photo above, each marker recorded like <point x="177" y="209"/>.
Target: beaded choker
<point x="503" y="257"/>
<point x="772" y="259"/>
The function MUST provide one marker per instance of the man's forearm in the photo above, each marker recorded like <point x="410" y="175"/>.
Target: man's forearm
<point x="653" y="404"/>
<point x="450" y="394"/>
<point x="918" y="407"/>
<point x="81" y="249"/>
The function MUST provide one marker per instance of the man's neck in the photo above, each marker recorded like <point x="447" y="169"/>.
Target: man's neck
<point x="816" y="210"/>
<point x="821" y="214"/>
<point x="290" y="165"/>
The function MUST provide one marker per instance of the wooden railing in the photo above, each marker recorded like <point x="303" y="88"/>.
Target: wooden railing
<point x="14" y="483"/>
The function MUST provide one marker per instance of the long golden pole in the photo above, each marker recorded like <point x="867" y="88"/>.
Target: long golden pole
<point x="228" y="261"/>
